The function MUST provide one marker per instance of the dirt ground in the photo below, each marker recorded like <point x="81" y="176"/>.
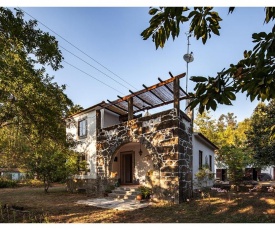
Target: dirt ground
<point x="29" y="205"/>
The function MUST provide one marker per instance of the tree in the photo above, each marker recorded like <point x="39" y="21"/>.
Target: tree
<point x="222" y="131"/>
<point x="32" y="106"/>
<point x="74" y="109"/>
<point x="49" y="161"/>
<point x="259" y="136"/>
<point x="27" y="94"/>
<point x="231" y="139"/>
<point x="205" y="124"/>
<point x="254" y="74"/>
<point x="236" y="159"/>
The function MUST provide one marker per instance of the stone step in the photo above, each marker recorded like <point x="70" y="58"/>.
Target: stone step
<point x="125" y="189"/>
<point x="122" y="196"/>
<point x="125" y="193"/>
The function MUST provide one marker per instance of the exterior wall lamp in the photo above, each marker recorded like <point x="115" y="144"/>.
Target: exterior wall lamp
<point x="140" y="151"/>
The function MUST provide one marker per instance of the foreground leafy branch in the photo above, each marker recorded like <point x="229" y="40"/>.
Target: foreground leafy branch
<point x="253" y="75"/>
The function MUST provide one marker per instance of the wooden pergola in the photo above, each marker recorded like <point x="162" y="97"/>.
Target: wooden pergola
<point x="163" y="93"/>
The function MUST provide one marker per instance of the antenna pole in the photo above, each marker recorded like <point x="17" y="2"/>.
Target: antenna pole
<point x="186" y="77"/>
<point x="188" y="58"/>
<point x="188" y="44"/>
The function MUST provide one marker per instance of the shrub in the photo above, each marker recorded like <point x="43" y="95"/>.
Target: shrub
<point x="204" y="176"/>
<point x="7" y="183"/>
<point x="32" y="183"/>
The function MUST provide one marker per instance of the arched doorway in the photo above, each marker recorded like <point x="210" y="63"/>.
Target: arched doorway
<point x="127" y="167"/>
<point x="130" y="163"/>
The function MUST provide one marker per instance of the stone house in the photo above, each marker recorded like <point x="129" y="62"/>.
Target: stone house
<point x="128" y="149"/>
<point x="203" y="156"/>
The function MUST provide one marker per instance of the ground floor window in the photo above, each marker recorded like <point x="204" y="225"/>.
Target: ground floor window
<point x="200" y="159"/>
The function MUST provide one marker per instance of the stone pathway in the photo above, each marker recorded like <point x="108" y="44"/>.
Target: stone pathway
<point x="114" y="203"/>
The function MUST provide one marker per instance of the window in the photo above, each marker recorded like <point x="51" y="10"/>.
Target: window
<point x="200" y="159"/>
<point x="82" y="128"/>
<point x="82" y="162"/>
<point x="210" y="163"/>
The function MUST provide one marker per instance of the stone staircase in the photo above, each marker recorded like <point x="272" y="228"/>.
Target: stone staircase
<point x="124" y="193"/>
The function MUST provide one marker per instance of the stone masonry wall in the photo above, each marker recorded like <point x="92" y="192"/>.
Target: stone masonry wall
<point x="185" y="158"/>
<point x="168" y="139"/>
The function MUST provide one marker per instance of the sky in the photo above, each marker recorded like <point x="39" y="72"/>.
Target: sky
<point x="105" y="55"/>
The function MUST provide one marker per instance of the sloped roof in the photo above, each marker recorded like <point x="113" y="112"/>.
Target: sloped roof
<point x="19" y="170"/>
<point x="205" y="139"/>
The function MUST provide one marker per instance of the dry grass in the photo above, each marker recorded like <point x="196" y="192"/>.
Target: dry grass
<point x="58" y="206"/>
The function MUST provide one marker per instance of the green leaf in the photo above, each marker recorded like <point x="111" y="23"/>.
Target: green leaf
<point x="201" y="109"/>
<point x="198" y="79"/>
<point x="213" y="104"/>
<point x="215" y="29"/>
<point x="153" y="11"/>
<point x="255" y="36"/>
<point x="192" y="13"/>
<point x="245" y="54"/>
<point x="231" y="9"/>
<point x="262" y="34"/>
<point x="193" y="104"/>
<point x="205" y="100"/>
<point x="226" y="100"/>
<point x="230" y="95"/>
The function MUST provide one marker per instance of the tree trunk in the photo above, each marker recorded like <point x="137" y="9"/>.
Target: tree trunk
<point x="46" y="185"/>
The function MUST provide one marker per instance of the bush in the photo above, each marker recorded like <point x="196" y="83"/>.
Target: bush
<point x="32" y="183"/>
<point x="7" y="183"/>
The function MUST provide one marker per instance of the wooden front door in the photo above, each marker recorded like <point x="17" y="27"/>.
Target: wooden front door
<point x="127" y="167"/>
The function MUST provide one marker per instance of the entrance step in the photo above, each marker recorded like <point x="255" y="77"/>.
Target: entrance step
<point x="124" y="193"/>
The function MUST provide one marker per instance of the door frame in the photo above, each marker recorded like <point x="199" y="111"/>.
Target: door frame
<point x="123" y="169"/>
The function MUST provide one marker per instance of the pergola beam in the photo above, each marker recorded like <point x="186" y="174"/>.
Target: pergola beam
<point x="130" y="109"/>
<point x="177" y="95"/>
<point x="153" y="93"/>
<point x="164" y="103"/>
<point x="148" y="89"/>
<point x="166" y="86"/>
<point x="116" y="106"/>
<point x="141" y="99"/>
<point x="152" y="97"/>
<point x="171" y="75"/>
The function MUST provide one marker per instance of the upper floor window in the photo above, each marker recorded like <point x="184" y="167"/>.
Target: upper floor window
<point x="82" y="128"/>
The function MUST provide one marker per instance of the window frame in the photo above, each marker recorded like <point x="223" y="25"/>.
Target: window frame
<point x="210" y="163"/>
<point x="200" y="158"/>
<point x="82" y="131"/>
<point x="82" y="157"/>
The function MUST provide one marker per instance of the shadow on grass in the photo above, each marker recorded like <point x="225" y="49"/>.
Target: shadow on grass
<point x="59" y="206"/>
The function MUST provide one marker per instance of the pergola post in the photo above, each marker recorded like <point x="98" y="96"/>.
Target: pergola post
<point x="177" y="95"/>
<point x="98" y="120"/>
<point x="130" y="109"/>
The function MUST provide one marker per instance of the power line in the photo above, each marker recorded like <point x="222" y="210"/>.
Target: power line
<point x="92" y="66"/>
<point x="88" y="75"/>
<point x="79" y="50"/>
<point x="93" y="77"/>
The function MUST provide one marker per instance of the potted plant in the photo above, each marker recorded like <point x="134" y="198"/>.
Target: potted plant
<point x="139" y="196"/>
<point x="145" y="192"/>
